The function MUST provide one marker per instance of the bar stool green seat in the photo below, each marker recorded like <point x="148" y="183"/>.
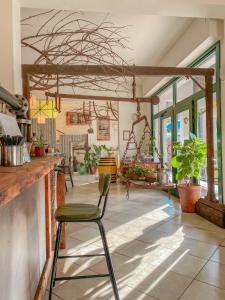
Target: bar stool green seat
<point x="72" y="212"/>
<point x="79" y="212"/>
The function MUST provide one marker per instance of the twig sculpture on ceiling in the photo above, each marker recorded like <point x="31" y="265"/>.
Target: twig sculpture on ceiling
<point x="66" y="38"/>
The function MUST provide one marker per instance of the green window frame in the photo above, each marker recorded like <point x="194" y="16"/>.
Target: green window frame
<point x="192" y="101"/>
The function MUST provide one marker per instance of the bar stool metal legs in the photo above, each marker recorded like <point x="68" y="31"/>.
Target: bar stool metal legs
<point x="85" y="213"/>
<point x="108" y="259"/>
<point x="106" y="254"/>
<point x="54" y="264"/>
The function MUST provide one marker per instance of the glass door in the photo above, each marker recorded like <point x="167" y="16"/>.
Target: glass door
<point x="183" y="123"/>
<point x="201" y="132"/>
<point x="166" y="139"/>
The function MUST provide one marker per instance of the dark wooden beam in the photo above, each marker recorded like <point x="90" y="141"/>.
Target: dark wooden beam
<point x="153" y="99"/>
<point x="110" y="70"/>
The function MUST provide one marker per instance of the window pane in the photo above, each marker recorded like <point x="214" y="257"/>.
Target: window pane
<point x="166" y="98"/>
<point x="209" y="62"/>
<point x="183" y="126"/>
<point x="167" y="144"/>
<point x="201" y="132"/>
<point x="185" y="88"/>
<point x="157" y="138"/>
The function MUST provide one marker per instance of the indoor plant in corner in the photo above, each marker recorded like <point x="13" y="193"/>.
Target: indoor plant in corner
<point x="189" y="160"/>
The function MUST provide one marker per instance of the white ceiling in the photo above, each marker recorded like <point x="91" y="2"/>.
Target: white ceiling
<point x="179" y="8"/>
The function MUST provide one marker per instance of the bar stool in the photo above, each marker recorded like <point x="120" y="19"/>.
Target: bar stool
<point x="66" y="169"/>
<point x="79" y="212"/>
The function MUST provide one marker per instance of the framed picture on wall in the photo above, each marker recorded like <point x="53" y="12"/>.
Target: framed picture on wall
<point x="103" y="129"/>
<point x="75" y="118"/>
<point x="126" y="135"/>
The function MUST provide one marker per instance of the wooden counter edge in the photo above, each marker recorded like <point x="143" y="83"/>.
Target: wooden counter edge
<point x="23" y="177"/>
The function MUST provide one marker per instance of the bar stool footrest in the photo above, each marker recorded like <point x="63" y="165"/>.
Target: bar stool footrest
<point x="81" y="277"/>
<point x="77" y="256"/>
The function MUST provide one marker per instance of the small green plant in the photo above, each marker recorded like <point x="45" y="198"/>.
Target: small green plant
<point x="40" y="141"/>
<point x="189" y="159"/>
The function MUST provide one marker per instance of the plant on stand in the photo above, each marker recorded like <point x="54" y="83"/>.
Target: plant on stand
<point x="189" y="160"/>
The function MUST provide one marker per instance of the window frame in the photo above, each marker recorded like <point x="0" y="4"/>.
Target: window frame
<point x="192" y="100"/>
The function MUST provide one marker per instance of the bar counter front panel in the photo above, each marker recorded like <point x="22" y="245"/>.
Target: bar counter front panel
<point x="26" y="229"/>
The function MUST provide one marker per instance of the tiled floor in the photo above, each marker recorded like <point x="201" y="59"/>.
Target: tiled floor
<point x="157" y="252"/>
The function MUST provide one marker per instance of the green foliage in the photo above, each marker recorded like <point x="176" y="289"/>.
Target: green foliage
<point x="40" y="141"/>
<point x="190" y="158"/>
<point x="138" y="170"/>
<point x="92" y="156"/>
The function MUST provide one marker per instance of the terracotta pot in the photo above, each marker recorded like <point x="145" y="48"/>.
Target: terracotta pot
<point x="189" y="195"/>
<point x="40" y="151"/>
<point x="93" y="169"/>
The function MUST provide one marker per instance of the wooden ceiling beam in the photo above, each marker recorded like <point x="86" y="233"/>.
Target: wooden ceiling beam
<point x="153" y="99"/>
<point x="113" y="70"/>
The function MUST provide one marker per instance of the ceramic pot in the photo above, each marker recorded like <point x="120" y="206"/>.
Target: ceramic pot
<point x="40" y="151"/>
<point x="189" y="195"/>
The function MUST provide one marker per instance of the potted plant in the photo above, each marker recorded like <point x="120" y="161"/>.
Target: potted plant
<point x="135" y="173"/>
<point x="82" y="169"/>
<point x="189" y="160"/>
<point x="39" y="147"/>
<point x="92" y="157"/>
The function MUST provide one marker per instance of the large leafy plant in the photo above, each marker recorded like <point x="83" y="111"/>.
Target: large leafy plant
<point x="189" y="159"/>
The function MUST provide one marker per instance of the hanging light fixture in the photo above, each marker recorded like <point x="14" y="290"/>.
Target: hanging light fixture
<point x="33" y="101"/>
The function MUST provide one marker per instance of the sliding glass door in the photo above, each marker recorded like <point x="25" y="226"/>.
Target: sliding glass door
<point x="166" y="138"/>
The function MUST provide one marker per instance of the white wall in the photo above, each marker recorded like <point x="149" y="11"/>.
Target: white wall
<point x="10" y="51"/>
<point x="69" y="105"/>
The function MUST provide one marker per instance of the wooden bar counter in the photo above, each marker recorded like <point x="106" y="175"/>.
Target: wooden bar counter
<point x="28" y="198"/>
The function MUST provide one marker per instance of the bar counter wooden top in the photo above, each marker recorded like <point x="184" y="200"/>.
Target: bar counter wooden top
<point x="14" y="180"/>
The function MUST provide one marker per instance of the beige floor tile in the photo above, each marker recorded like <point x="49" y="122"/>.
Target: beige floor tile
<point x="54" y="297"/>
<point x="160" y="283"/>
<point x="202" y="291"/>
<point x="156" y="249"/>
<point x="210" y="237"/>
<point x="94" y="288"/>
<point x="219" y="255"/>
<point x="171" y="227"/>
<point x="213" y="273"/>
<point x="73" y="245"/>
<point x="193" y="247"/>
<point x="114" y="241"/>
<point x="204" y="224"/>
<point x="89" y="234"/>
<point x="136" y="248"/>
<point x="188" y="219"/>
<point x="183" y="263"/>
<point x="124" y="267"/>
